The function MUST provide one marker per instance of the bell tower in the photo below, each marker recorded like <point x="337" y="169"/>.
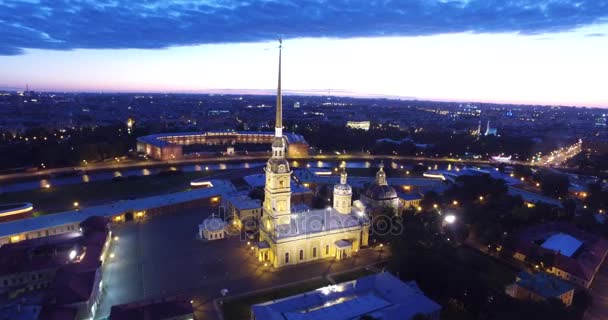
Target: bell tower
<point x="277" y="190"/>
<point x="343" y="195"/>
<point x="381" y="176"/>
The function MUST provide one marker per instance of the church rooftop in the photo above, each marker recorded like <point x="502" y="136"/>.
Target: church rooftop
<point x="320" y="220"/>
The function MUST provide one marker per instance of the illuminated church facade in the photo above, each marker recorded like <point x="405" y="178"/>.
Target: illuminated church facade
<point x="289" y="238"/>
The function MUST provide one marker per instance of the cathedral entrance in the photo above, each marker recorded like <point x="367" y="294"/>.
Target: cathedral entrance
<point x="343" y="249"/>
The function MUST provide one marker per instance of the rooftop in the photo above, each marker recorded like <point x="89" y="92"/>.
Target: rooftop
<point x="320" y="220"/>
<point x="543" y="284"/>
<point x="159" y="139"/>
<point x="243" y="202"/>
<point x="563" y="243"/>
<point x="382" y="296"/>
<point x="583" y="263"/>
<point x="409" y="195"/>
<point x="212" y="224"/>
<point x="54" y="252"/>
<point x="109" y="210"/>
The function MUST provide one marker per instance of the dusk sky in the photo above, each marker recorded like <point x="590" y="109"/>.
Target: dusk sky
<point x="524" y="51"/>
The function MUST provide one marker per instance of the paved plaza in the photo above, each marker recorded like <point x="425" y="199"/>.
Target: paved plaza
<point x="162" y="256"/>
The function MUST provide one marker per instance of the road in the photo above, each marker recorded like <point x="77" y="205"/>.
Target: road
<point x="559" y="156"/>
<point x="240" y="158"/>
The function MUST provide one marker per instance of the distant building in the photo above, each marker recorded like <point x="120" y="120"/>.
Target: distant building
<point x="380" y="296"/>
<point x="490" y="131"/>
<point x="362" y="125"/>
<point x="169" y="146"/>
<point x="541" y="286"/>
<point x="130" y="125"/>
<point x="380" y="195"/>
<point x="296" y="105"/>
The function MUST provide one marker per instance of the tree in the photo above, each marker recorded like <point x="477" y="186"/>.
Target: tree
<point x="554" y="184"/>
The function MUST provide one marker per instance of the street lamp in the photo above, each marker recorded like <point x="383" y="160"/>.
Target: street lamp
<point x="449" y="219"/>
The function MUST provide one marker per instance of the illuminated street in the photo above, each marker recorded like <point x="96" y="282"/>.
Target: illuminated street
<point x="558" y="157"/>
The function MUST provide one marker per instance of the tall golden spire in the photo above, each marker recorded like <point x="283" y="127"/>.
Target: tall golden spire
<point x="278" y="128"/>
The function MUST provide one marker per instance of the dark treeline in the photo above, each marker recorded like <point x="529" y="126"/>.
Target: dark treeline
<point x="435" y="143"/>
<point x="54" y="148"/>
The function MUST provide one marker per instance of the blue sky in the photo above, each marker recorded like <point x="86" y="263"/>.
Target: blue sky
<point x="525" y="51"/>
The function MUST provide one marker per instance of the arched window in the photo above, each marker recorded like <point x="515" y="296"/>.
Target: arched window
<point x="301" y="255"/>
<point x="286" y="257"/>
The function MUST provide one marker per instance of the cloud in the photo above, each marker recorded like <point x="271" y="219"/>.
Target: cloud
<point x="113" y="24"/>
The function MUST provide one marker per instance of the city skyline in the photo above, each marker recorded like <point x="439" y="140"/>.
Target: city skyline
<point x="544" y="53"/>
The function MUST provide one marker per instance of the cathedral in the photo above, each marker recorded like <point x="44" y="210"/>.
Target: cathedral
<point x="289" y="238"/>
<point x="380" y="195"/>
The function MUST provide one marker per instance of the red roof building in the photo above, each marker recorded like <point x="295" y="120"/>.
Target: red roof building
<point x="577" y="261"/>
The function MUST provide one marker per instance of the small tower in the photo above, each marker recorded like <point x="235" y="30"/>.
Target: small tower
<point x="343" y="194"/>
<point x="381" y="176"/>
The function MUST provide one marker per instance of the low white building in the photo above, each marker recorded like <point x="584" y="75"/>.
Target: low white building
<point x="380" y="296"/>
<point x="212" y="229"/>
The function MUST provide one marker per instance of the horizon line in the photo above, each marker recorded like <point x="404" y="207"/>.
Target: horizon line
<point x="308" y="92"/>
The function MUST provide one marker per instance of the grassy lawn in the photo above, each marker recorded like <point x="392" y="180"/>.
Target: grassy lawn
<point x="352" y="275"/>
<point x="61" y="198"/>
<point x="240" y="308"/>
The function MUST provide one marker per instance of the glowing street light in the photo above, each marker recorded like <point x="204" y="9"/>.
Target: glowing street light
<point x="455" y="202"/>
<point x="72" y="255"/>
<point x="76" y="204"/>
<point x="480" y="198"/>
<point x="449" y="219"/>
